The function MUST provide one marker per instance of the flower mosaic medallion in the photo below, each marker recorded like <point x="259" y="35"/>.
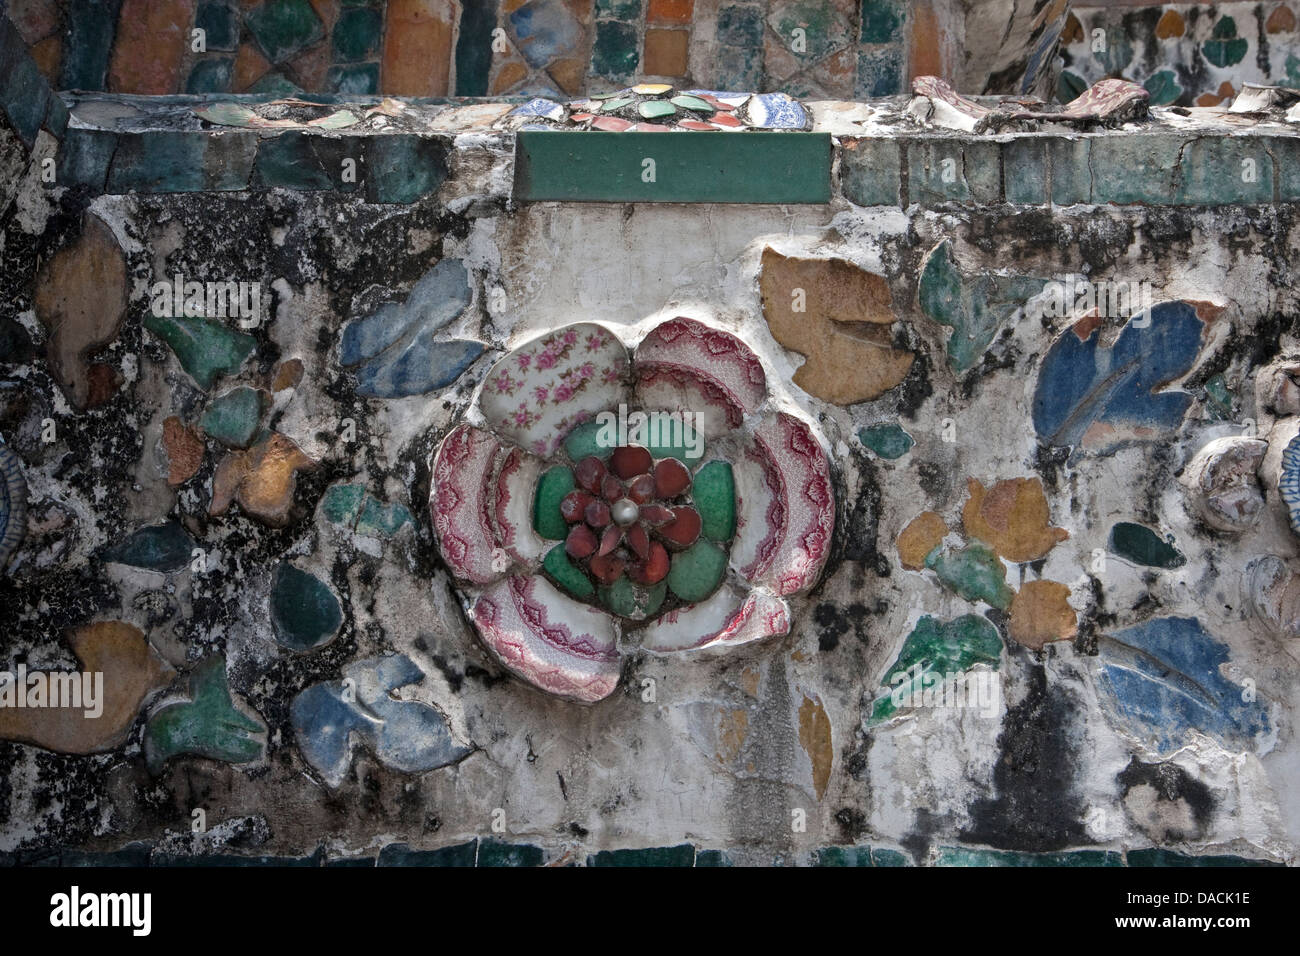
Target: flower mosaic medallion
<point x="607" y="501"/>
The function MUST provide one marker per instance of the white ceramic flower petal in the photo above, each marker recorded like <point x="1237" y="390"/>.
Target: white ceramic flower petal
<point x="555" y="644"/>
<point x="729" y="372"/>
<point x="516" y="486"/>
<point x="536" y="393"/>
<point x="760" y="512"/>
<point x="681" y="390"/>
<point x="792" y="539"/>
<point x="461" y="499"/>
<point x="724" y="619"/>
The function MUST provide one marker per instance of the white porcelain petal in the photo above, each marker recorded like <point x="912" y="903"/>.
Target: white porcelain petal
<point x="555" y="644"/>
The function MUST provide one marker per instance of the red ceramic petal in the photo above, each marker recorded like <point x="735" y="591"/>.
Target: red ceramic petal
<point x="639" y="541"/>
<point x="581" y="542"/>
<point x="654" y="568"/>
<point x="725" y="119"/>
<point x="671" y="478"/>
<point x="607" y="568"/>
<point x="629" y="461"/>
<point x="654" y="514"/>
<point x="597" y="513"/>
<point x="574" y="505"/>
<point x="683" y="530"/>
<point x="590" y="472"/>
<point x="611" y="489"/>
<point x="609" y="539"/>
<point x="641" y="489"/>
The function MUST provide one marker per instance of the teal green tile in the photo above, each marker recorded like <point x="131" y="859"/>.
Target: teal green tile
<point x="26" y="96"/>
<point x="305" y="161"/>
<point x="619" y="9"/>
<point x="1224" y="171"/>
<point x="474" y="47"/>
<point x="492" y="853"/>
<point x="84" y="158"/>
<point x="404" y="168"/>
<point x="182" y="161"/>
<point x="882" y="21"/>
<point x="614" y="53"/>
<point x="357" y="34"/>
<point x="359" y="79"/>
<point x="681" y="855"/>
<point x="284" y="27"/>
<point x="713" y="858"/>
<point x="1025" y="171"/>
<point x="608" y="167"/>
<point x="399" y="854"/>
<point x="961" y="856"/>
<point x="880" y="71"/>
<point x="870" y="171"/>
<point x="1156" y="857"/>
<point x="1071" y="170"/>
<point x="740" y="25"/>
<point x="89" y="29"/>
<point x="943" y="171"/>
<point x="1136" y="168"/>
<point x="219" y="24"/>
<point x="843" y="856"/>
<point x="211" y="75"/>
<point x="275" y="84"/>
<point x="1286" y="156"/>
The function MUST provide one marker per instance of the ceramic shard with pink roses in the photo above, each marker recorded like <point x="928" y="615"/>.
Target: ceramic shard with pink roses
<point x="605" y="500"/>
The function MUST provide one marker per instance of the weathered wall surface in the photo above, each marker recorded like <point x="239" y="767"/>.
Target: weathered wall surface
<point x="1015" y="490"/>
<point x="832" y="48"/>
<point x="1185" y="54"/>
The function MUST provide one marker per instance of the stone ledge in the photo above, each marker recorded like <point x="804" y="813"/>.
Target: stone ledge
<point x="1179" y="158"/>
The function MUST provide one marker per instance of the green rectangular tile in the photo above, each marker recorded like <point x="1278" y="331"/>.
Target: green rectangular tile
<point x="1286" y="162"/>
<point x="1225" y="171"/>
<point x="948" y="170"/>
<point x="673" y="167"/>
<point x="1070" y="161"/>
<point x="1024" y="162"/>
<point x="681" y="855"/>
<point x="182" y="161"/>
<point x="1135" y="168"/>
<point x="871" y="171"/>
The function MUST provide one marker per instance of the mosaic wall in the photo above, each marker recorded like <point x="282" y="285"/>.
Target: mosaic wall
<point x="822" y="48"/>
<point x="1184" y="54"/>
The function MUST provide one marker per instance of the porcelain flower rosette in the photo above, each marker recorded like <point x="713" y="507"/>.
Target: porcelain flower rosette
<point x="608" y="500"/>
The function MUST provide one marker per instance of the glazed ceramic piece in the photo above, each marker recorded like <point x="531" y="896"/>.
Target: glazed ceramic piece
<point x="799" y="552"/>
<point x="1288" y="481"/>
<point x="776" y="111"/>
<point x="658" y="108"/>
<point x="1277" y="387"/>
<point x="1273" y="590"/>
<point x="538" y="392"/>
<point x="557" y="645"/>
<point x="13" y="503"/>
<point x="545" y="109"/>
<point x="1222" y="486"/>
<point x="571" y="520"/>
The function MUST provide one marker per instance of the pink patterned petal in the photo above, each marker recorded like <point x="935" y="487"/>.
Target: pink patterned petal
<point x="582" y="369"/>
<point x="784" y="487"/>
<point x="718" y="359"/>
<point x="723" y="620"/>
<point x="462" y="500"/>
<point x="682" y="390"/>
<point x="553" y="643"/>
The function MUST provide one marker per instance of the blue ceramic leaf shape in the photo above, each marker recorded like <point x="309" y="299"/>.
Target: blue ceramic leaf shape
<point x="1288" y="482"/>
<point x="1081" y="383"/>
<point x="406" y="735"/>
<point x="13" y="502"/>
<point x="1162" y="679"/>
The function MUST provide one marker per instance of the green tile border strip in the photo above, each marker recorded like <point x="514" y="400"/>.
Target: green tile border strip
<point x="679" y="167"/>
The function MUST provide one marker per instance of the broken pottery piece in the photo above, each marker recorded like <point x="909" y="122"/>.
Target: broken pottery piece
<point x="938" y="104"/>
<point x="1257" y="98"/>
<point x="1273" y="589"/>
<point x="13" y="502"/>
<point x="1222" y="486"/>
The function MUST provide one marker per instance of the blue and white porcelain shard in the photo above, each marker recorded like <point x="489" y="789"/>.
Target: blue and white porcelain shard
<point x="775" y="111"/>
<point x="13" y="502"/>
<point x="540" y="107"/>
<point x="1288" y="481"/>
<point x="729" y="97"/>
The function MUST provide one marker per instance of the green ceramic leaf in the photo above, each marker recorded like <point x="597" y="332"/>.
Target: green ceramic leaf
<point x="554" y="484"/>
